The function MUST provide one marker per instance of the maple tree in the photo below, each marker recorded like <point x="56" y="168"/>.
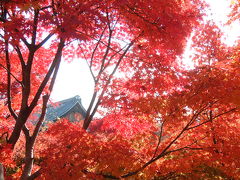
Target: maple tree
<point x="154" y="118"/>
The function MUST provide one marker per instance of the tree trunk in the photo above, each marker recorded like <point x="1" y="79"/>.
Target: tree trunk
<point x="22" y="118"/>
<point x="28" y="160"/>
<point x="1" y="172"/>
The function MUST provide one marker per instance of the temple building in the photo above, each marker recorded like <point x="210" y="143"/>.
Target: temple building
<point x="71" y="109"/>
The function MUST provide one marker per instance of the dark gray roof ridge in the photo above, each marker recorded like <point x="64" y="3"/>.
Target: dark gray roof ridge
<point x="78" y="101"/>
<point x="53" y="111"/>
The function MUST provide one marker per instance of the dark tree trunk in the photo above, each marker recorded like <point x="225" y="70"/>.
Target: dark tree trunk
<point x="1" y="172"/>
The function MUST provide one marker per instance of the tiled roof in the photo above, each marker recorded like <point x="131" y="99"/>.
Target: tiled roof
<point x="61" y="108"/>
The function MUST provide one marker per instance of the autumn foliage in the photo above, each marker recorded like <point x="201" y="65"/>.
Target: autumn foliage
<point x="156" y="119"/>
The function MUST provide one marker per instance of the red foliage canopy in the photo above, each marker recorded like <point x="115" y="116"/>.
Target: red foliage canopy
<point x="158" y="120"/>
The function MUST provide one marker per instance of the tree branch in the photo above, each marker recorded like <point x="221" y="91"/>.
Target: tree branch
<point x="44" y="40"/>
<point x="90" y="116"/>
<point x="164" y="151"/>
<point x="210" y="119"/>
<point x="11" y="74"/>
<point x="9" y="102"/>
<point x="89" y="66"/>
<point x="56" y="61"/>
<point x="20" y="56"/>
<point x="35" y="175"/>
<point x="226" y="112"/>
<point x="95" y="48"/>
<point x="35" y="24"/>
<point x="41" y="118"/>
<point x="107" y="48"/>
<point x="159" y="139"/>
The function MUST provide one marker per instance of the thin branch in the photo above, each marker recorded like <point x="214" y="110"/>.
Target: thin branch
<point x="162" y="154"/>
<point x="95" y="48"/>
<point x="86" y="120"/>
<point x="159" y="139"/>
<point x="44" y="106"/>
<point x="102" y="42"/>
<point x="56" y="61"/>
<point x="231" y="110"/>
<point x="35" y="24"/>
<point x="46" y="7"/>
<point x="108" y="47"/>
<point x="89" y="119"/>
<point x="183" y="148"/>
<point x="11" y="74"/>
<point x="85" y="171"/>
<point x="151" y="161"/>
<point x="41" y="118"/>
<point x="54" y="77"/>
<point x="44" y="40"/>
<point x="26" y="77"/>
<point x="9" y="102"/>
<point x="154" y="23"/>
<point x="25" y="41"/>
<point x="20" y="56"/>
<point x="55" y="13"/>
<point x="115" y="23"/>
<point x="193" y="127"/>
<point x="89" y="66"/>
<point x="89" y="116"/>
<point x="210" y="119"/>
<point x="164" y="151"/>
<point x="110" y="59"/>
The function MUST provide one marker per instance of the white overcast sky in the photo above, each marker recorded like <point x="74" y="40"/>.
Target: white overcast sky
<point x="74" y="78"/>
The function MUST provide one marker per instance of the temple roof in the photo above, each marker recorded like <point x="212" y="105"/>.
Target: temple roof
<point x="61" y="108"/>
